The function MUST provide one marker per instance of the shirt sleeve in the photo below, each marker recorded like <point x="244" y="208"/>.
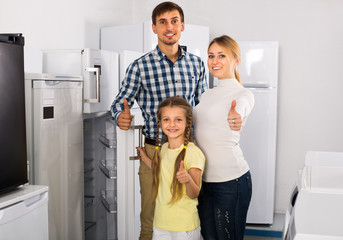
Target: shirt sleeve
<point x="128" y="90"/>
<point x="245" y="104"/>
<point x="202" y="84"/>
<point x="194" y="158"/>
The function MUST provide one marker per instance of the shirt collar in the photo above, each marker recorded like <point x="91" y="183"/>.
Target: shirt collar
<point x="160" y="55"/>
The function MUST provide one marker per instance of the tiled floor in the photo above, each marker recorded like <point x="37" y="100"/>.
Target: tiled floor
<point x="265" y="232"/>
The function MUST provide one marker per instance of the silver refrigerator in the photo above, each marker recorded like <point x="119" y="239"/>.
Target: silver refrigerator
<point x="108" y="195"/>
<point x="55" y="148"/>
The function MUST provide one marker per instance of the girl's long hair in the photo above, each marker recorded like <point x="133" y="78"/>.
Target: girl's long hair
<point x="231" y="45"/>
<point x="176" y="187"/>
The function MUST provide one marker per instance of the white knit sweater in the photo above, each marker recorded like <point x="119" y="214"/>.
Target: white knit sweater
<point x="220" y="144"/>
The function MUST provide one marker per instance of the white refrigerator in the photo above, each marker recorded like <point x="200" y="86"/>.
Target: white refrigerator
<point x="259" y="73"/>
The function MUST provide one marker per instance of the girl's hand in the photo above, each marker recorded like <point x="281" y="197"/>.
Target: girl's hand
<point x="182" y="175"/>
<point x="143" y="156"/>
<point x="140" y="152"/>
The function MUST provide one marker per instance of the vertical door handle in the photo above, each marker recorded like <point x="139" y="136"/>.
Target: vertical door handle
<point x="140" y="129"/>
<point x="97" y="87"/>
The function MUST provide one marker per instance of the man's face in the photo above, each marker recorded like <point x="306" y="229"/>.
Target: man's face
<point x="168" y="28"/>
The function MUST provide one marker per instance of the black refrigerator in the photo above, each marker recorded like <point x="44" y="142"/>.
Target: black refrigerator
<point x="13" y="151"/>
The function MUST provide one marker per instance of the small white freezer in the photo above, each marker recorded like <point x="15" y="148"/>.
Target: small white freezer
<point x="316" y="205"/>
<point x="24" y="213"/>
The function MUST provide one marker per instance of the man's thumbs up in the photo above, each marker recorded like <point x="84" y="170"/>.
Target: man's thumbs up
<point x="126" y="107"/>
<point x="234" y="118"/>
<point x="125" y="117"/>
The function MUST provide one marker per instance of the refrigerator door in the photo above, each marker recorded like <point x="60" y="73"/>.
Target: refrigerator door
<point x="98" y="68"/>
<point x="24" y="213"/>
<point x="258" y="143"/>
<point x="57" y="155"/>
<point x="13" y="151"/>
<point x="259" y="64"/>
<point x="100" y="72"/>
<point x="128" y="180"/>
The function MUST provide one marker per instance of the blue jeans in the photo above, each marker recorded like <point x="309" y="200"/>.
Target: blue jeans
<point x="223" y="208"/>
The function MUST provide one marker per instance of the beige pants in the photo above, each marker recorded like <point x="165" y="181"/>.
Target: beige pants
<point x="147" y="202"/>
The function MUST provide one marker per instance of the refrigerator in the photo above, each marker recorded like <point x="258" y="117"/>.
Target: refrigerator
<point x="24" y="213"/>
<point x="108" y="195"/>
<point x="13" y="163"/>
<point x="53" y="105"/>
<point x="259" y="73"/>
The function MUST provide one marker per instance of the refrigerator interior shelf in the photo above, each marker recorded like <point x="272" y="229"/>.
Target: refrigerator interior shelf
<point x="109" y="140"/>
<point x="88" y="160"/>
<point x="89" y="200"/>
<point x="88" y="170"/>
<point x="109" y="200"/>
<point x="88" y="179"/>
<point x="110" y="170"/>
<point x="88" y="225"/>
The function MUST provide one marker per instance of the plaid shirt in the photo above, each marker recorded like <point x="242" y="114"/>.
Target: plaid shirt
<point x="154" y="77"/>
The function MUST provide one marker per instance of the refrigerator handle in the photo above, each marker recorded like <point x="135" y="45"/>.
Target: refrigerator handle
<point x="97" y="90"/>
<point x="140" y="129"/>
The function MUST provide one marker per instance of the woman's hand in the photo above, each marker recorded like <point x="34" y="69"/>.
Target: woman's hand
<point x="234" y="118"/>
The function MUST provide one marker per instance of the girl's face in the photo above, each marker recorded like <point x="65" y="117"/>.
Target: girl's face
<point x="173" y="123"/>
<point x="221" y="62"/>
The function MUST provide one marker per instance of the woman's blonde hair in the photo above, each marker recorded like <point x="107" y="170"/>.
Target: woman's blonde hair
<point x="231" y="45"/>
<point x="176" y="187"/>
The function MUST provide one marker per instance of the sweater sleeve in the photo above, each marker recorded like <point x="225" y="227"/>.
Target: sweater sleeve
<point x="245" y="104"/>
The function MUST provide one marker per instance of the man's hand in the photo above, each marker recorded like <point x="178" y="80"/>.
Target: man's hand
<point x="234" y="118"/>
<point x="125" y="117"/>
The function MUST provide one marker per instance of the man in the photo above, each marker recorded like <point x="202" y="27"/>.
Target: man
<point x="165" y="71"/>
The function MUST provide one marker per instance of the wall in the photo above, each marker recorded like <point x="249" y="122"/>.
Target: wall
<point x="310" y="63"/>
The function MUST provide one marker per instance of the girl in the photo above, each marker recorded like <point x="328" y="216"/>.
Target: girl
<point x="226" y="190"/>
<point x="177" y="169"/>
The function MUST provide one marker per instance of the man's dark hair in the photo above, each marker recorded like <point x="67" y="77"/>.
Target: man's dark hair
<point x="166" y="7"/>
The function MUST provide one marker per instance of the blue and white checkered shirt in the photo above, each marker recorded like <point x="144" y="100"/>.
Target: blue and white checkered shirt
<point x="154" y="77"/>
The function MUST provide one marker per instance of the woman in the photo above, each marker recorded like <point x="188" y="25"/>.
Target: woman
<point x="226" y="191"/>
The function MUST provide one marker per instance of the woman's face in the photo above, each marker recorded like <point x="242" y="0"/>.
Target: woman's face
<point x="221" y="62"/>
